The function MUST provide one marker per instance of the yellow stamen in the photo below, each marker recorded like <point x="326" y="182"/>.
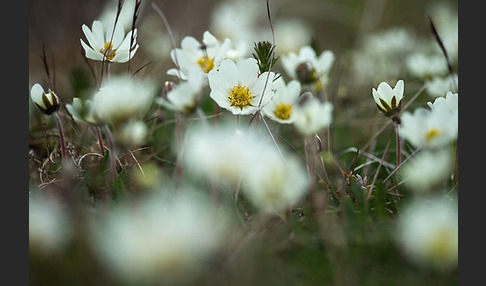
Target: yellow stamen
<point x="241" y="96"/>
<point x="283" y="111"/>
<point x="431" y="134"/>
<point x="206" y="64"/>
<point x="108" y="51"/>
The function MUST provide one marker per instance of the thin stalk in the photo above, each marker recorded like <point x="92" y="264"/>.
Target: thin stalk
<point x="100" y="140"/>
<point x="61" y="136"/>
<point x="178" y="170"/>
<point x="399" y="147"/>
<point x="111" y="146"/>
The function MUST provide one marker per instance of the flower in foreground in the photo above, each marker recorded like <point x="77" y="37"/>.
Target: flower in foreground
<point x="273" y="185"/>
<point x="109" y="45"/>
<point x="48" y="102"/>
<point x="387" y="99"/>
<point x="123" y="97"/>
<point x="239" y="87"/>
<point x="193" y="55"/>
<point x="224" y="154"/>
<point x="307" y="67"/>
<point x="281" y="107"/>
<point x="428" y="233"/>
<point x="163" y="239"/>
<point x="312" y="115"/>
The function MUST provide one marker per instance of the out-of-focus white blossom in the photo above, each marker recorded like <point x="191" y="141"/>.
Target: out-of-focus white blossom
<point x="427" y="170"/>
<point x="122" y="97"/>
<point x="168" y="239"/>
<point x="273" y="185"/>
<point x="291" y="35"/>
<point x="428" y="233"/>
<point x="426" y="66"/>
<point x="49" y="225"/>
<point x="82" y="111"/>
<point x="131" y="133"/>
<point x="450" y="101"/>
<point x="439" y="86"/>
<point x="312" y="115"/>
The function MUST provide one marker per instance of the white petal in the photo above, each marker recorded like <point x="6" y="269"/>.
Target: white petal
<point x="247" y="72"/>
<point x="92" y="40"/>
<point x="98" y="33"/>
<point x="90" y="53"/>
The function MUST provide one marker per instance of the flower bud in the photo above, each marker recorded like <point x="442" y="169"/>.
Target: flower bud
<point x="47" y="103"/>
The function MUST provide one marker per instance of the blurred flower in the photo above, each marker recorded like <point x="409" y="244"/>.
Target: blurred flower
<point x="450" y="102"/>
<point x="239" y="88"/>
<point x="427" y="170"/>
<point x="307" y="67"/>
<point x="312" y="115"/>
<point x="429" y="128"/>
<point x="162" y="239"/>
<point x="183" y="96"/>
<point x="47" y="103"/>
<point x="243" y="32"/>
<point x="388" y="100"/>
<point x="274" y="184"/>
<point x="106" y="44"/>
<point x="280" y="108"/>
<point x="426" y="66"/>
<point x="82" y="111"/>
<point x="196" y="56"/>
<point x="125" y="18"/>
<point x="131" y="133"/>
<point x="122" y="97"/>
<point x="292" y="35"/>
<point x="224" y="154"/>
<point x="49" y="229"/>
<point x="446" y="21"/>
<point x="439" y="86"/>
<point x="428" y="232"/>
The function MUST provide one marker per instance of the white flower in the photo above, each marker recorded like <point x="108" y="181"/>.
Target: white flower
<point x="131" y="133"/>
<point x="224" y="154"/>
<point x="427" y="170"/>
<point x="292" y="34"/>
<point x="428" y="232"/>
<point x="106" y="44"/>
<point x="193" y="55"/>
<point x="239" y="88"/>
<point x="82" y="111"/>
<point x="439" y="86"/>
<point x="183" y="96"/>
<point x="307" y="67"/>
<point x="429" y="128"/>
<point x="312" y="115"/>
<point x="49" y="229"/>
<point x="426" y="66"/>
<point x="46" y="102"/>
<point x="274" y="184"/>
<point x="450" y="101"/>
<point x="280" y="108"/>
<point x="163" y="239"/>
<point x="387" y="99"/>
<point x="123" y="97"/>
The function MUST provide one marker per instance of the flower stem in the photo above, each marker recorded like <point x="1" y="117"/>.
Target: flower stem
<point x="111" y="146"/>
<point x="178" y="171"/>
<point x="100" y="140"/>
<point x="61" y="136"/>
<point x="399" y="146"/>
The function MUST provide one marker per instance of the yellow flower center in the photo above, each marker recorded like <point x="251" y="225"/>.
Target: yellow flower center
<point x="431" y="134"/>
<point x="283" y="111"/>
<point x="206" y="64"/>
<point x="241" y="96"/>
<point x="108" y="51"/>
